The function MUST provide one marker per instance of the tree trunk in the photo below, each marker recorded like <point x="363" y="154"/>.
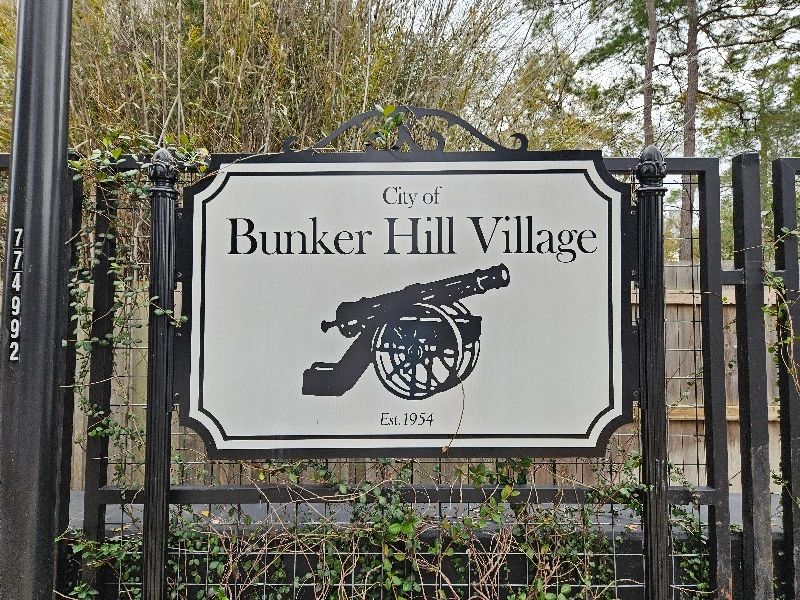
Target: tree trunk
<point x="689" y="128"/>
<point x="652" y="37"/>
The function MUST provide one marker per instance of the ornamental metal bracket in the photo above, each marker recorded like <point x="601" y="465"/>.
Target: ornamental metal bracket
<point x="406" y="136"/>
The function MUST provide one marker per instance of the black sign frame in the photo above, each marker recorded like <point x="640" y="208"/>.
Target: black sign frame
<point x="407" y="150"/>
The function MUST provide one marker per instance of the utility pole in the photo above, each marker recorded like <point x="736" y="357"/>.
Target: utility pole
<point x="35" y="303"/>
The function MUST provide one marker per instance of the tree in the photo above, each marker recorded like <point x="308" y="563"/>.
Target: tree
<point x="689" y="128"/>
<point x="647" y="89"/>
<point x="680" y="57"/>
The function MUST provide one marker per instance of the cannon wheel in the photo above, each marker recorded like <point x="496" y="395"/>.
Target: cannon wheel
<point x="471" y="349"/>
<point x="420" y="354"/>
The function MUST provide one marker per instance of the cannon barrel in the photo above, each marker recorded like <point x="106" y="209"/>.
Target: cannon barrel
<point x="354" y="317"/>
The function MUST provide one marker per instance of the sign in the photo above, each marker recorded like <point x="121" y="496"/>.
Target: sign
<point x="359" y="304"/>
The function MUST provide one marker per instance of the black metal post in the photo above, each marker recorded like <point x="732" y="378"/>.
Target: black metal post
<point x="752" y="367"/>
<point x="32" y="364"/>
<point x="164" y="175"/>
<point x="784" y="194"/>
<point x="63" y="552"/>
<point x="716" y="426"/>
<point x="101" y="368"/>
<point x="650" y="173"/>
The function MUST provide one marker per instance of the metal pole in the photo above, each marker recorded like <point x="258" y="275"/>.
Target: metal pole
<point x="164" y="175"/>
<point x="751" y="365"/>
<point x="650" y="199"/>
<point x="63" y="551"/>
<point x="101" y="371"/>
<point x="784" y="207"/>
<point x="32" y="361"/>
<point x="716" y="425"/>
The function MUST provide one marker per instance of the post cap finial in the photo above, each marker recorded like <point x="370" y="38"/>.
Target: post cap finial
<point x="163" y="169"/>
<point x="651" y="169"/>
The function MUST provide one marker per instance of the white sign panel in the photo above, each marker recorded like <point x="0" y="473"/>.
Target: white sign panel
<point x="406" y="308"/>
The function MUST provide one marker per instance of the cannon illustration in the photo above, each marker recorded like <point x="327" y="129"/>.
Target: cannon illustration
<point x="421" y="339"/>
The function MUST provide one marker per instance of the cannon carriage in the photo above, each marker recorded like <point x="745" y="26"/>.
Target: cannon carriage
<point x="421" y="340"/>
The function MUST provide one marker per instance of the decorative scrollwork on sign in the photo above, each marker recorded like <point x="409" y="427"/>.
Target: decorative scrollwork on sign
<point x="410" y="134"/>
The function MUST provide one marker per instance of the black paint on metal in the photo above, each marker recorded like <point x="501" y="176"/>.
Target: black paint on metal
<point x="752" y="368"/>
<point x="445" y="494"/>
<point x="31" y="396"/>
<point x="163" y="195"/>
<point x="678" y="165"/>
<point x="63" y="551"/>
<point x="650" y="173"/>
<point x="101" y="368"/>
<point x="732" y="277"/>
<point x="714" y="401"/>
<point x="784" y="194"/>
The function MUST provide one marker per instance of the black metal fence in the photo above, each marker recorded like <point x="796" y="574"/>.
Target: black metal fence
<point x="225" y="501"/>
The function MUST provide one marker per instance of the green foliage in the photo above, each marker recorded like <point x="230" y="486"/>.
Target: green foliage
<point x="386" y="134"/>
<point x="116" y="196"/>
<point x="245" y="76"/>
<point x="394" y="545"/>
<point x="83" y="591"/>
<point x="748" y="66"/>
<point x="691" y="545"/>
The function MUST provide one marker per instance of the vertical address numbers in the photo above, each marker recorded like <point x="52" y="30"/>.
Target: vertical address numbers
<point x="16" y="296"/>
